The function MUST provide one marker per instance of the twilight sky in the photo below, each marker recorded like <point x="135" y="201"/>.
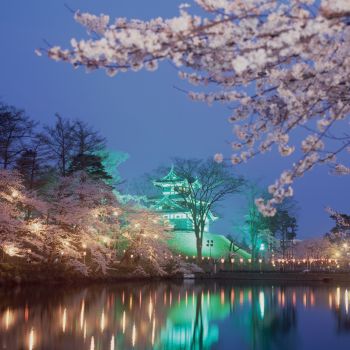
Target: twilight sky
<point x="139" y="113"/>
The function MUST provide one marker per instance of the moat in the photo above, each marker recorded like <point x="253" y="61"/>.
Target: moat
<point x="169" y="315"/>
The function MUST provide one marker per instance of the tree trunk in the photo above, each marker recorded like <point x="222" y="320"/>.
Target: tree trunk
<point x="5" y="159"/>
<point x="254" y="256"/>
<point x="199" y="243"/>
<point x="198" y="328"/>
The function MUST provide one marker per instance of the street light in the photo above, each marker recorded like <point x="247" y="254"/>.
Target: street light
<point x="210" y="243"/>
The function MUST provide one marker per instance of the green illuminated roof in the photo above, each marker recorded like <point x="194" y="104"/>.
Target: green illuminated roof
<point x="167" y="204"/>
<point x="184" y="243"/>
<point x="170" y="177"/>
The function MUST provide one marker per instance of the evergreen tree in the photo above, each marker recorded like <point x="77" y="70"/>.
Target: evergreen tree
<point x="91" y="164"/>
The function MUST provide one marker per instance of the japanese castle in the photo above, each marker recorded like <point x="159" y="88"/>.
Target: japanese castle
<point x="171" y="203"/>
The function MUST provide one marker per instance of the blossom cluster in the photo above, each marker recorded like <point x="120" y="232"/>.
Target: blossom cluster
<point x="280" y="66"/>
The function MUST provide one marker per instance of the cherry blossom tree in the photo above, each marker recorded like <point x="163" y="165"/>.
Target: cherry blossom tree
<point x="146" y="235"/>
<point x="314" y="248"/>
<point x="281" y="66"/>
<point x="340" y="233"/>
<point x="86" y="212"/>
<point x="71" y="230"/>
<point x="15" y="223"/>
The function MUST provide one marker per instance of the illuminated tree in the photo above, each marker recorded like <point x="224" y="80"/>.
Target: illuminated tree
<point x="340" y="233"/>
<point x="207" y="184"/>
<point x="282" y="67"/>
<point x="111" y="160"/>
<point x="268" y="233"/>
<point x="10" y="193"/>
<point x="86" y="210"/>
<point x="15" y="224"/>
<point x="146" y="235"/>
<point x="283" y="225"/>
<point x="70" y="230"/>
<point x="255" y="227"/>
<point x="314" y="248"/>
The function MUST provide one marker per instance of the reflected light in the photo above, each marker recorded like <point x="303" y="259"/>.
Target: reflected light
<point x="123" y="322"/>
<point x="150" y="309"/>
<point x="31" y="339"/>
<point x="232" y="296"/>
<point x="64" y="320"/>
<point x="330" y="300"/>
<point x="133" y="335"/>
<point x="262" y="304"/>
<point x="312" y="299"/>
<point x="337" y="299"/>
<point x="82" y="311"/>
<point x="26" y="313"/>
<point x="92" y="343"/>
<point x="112" y="342"/>
<point x="304" y="300"/>
<point x="102" y="322"/>
<point x="153" y="330"/>
<point x="222" y="297"/>
<point x="241" y="297"/>
<point x="346" y="301"/>
<point x="283" y="298"/>
<point x="9" y="319"/>
<point x="84" y="330"/>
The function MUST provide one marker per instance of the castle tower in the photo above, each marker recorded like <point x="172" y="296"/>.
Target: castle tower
<point x="171" y="203"/>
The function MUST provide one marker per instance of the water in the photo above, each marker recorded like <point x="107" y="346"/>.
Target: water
<point x="175" y="316"/>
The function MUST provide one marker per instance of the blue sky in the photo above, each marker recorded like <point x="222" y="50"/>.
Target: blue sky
<point x="139" y="113"/>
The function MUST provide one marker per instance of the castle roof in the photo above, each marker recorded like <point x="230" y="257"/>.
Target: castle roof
<point x="171" y="177"/>
<point x="167" y="204"/>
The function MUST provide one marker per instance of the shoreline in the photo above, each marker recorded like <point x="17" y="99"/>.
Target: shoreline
<point x="287" y="277"/>
<point x="282" y="277"/>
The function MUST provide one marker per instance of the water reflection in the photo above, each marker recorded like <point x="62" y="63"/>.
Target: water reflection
<point x="172" y="316"/>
